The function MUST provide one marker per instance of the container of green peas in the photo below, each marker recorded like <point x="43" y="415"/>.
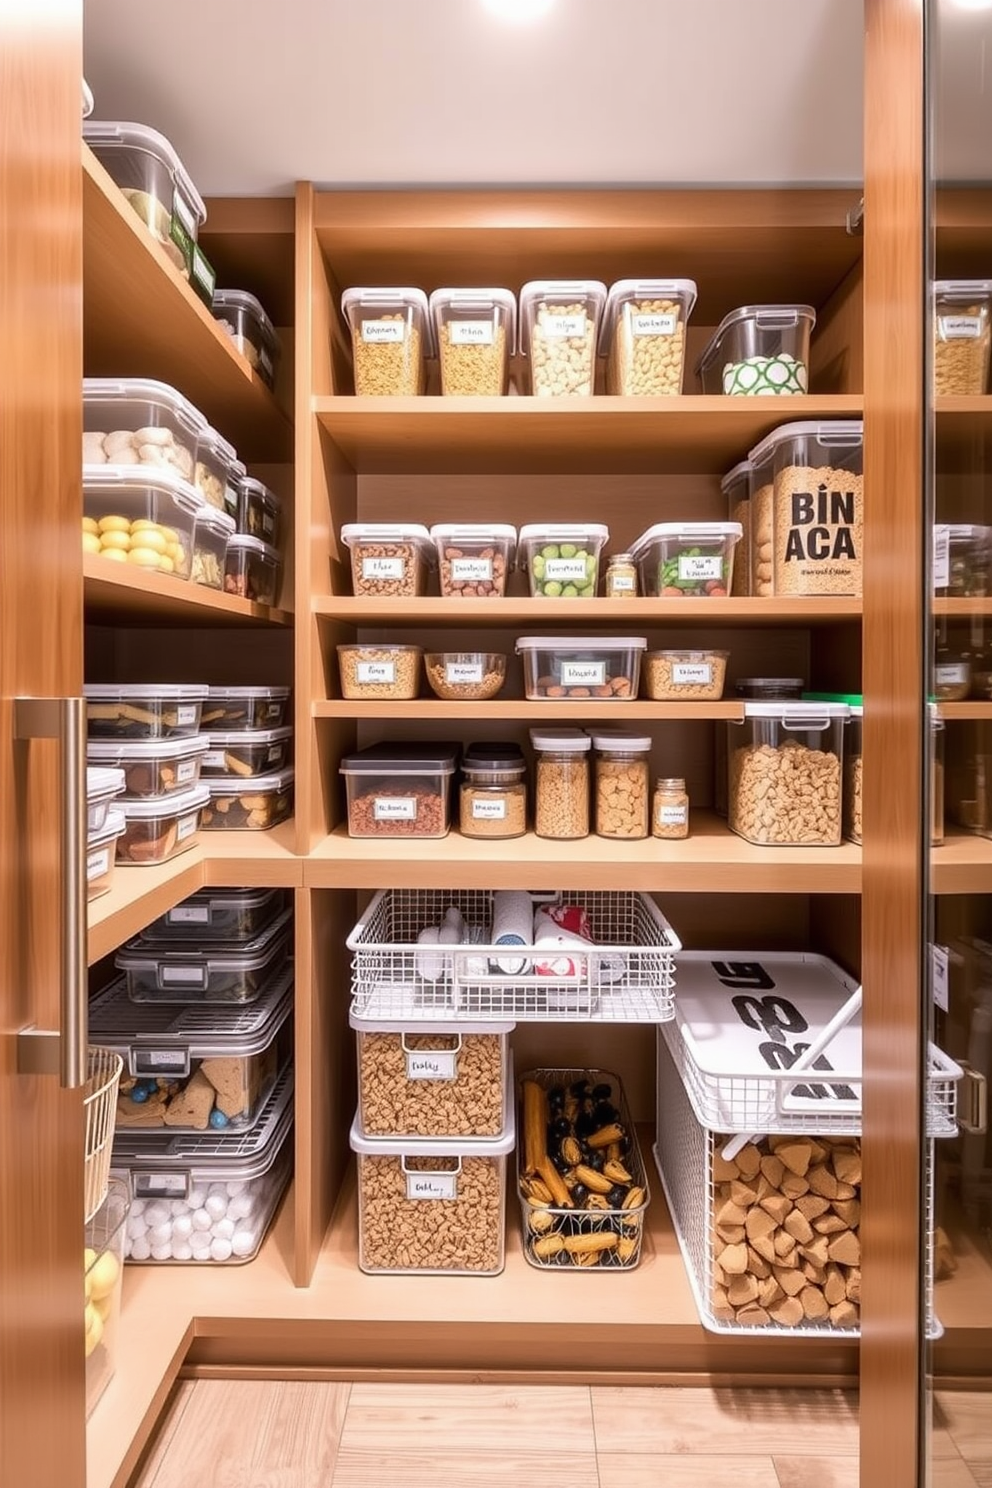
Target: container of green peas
<point x="562" y="558"/>
<point x="687" y="560"/>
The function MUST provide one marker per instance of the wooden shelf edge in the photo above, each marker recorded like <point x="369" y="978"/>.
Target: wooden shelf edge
<point x="974" y="711"/>
<point x="962" y="864"/>
<point x="577" y="411"/>
<point x="349" y="609"/>
<point x="519" y="709"/>
<point x="114" y="589"/>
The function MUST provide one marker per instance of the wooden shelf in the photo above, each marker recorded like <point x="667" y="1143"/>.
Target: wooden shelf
<point x="712" y="860"/>
<point x="116" y="595"/>
<point x="964" y="434"/>
<point x="590" y="436"/>
<point x="970" y="710"/>
<point x="141" y="319"/>
<point x="601" y="612"/>
<point x="962" y="864"/>
<point x="519" y="710"/>
<point x="963" y="609"/>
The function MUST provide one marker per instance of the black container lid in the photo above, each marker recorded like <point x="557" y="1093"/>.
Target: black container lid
<point x="495" y="756"/>
<point x="403" y="759"/>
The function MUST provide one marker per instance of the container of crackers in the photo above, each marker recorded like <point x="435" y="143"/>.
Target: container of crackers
<point x="143" y="710"/>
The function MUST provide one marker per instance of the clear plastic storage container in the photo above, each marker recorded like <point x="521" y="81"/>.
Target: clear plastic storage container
<point x="399" y="790"/>
<point x="104" y="1262"/>
<point x="562" y="558"/>
<point x="475" y="331"/>
<point x="388" y="558"/>
<point x="237" y="708"/>
<point x="211" y="535"/>
<point x="217" y="917"/>
<point x="685" y="675"/>
<point x="962" y="561"/>
<point x="143" y="710"/>
<point x="952" y="674"/>
<point x="561" y="783"/>
<point x="251" y="330"/>
<point x="474" y="558"/>
<point x="101" y="855"/>
<point x="150" y="175"/>
<point x="736" y="489"/>
<point x="807" y="510"/>
<point x="252" y="570"/>
<point x="759" y="350"/>
<point x="379" y="671"/>
<point x="786" y="762"/>
<point x="853" y="776"/>
<point x="581" y="667"/>
<point x="465" y="675"/>
<point x="623" y="785"/>
<point x="213" y="471"/>
<point x="136" y="421"/>
<point x="559" y="332"/>
<point x="432" y="1081"/>
<point x="687" y="560"/>
<point x="390" y="340"/>
<point x="156" y="830"/>
<point x="142" y="518"/>
<point x="259" y="511"/>
<point x="242" y="752"/>
<point x="232" y="973"/>
<point x="962" y="336"/>
<point x="493" y="794"/>
<point x="253" y="804"/>
<point x="152" y="767"/>
<point x="643" y="336"/>
<point x="102" y="786"/>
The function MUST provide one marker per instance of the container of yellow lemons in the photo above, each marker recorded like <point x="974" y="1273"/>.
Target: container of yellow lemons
<point x="103" y="1260"/>
<point x="140" y="517"/>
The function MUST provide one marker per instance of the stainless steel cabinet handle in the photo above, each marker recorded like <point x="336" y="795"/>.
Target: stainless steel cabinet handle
<point x="63" y="1051"/>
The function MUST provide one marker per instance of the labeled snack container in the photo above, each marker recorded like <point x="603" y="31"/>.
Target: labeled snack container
<point x="101" y="854"/>
<point x="643" y="336"/>
<point x="388" y="558"/>
<point x="493" y="793"/>
<point x="218" y="916"/>
<point x="149" y="173"/>
<point x="142" y="518"/>
<point x="141" y="710"/>
<point x="371" y="671"/>
<point x="559" y="332"/>
<point x="135" y="421"/>
<point x="390" y="340"/>
<point x="102" y="786"/>
<point x="623" y="784"/>
<point x="237" y="753"/>
<point x="466" y="675"/>
<point x="759" y="350"/>
<point x="475" y="331"/>
<point x="156" y="830"/>
<point x="736" y="488"/>
<point x="474" y="558"/>
<point x="433" y="1081"/>
<point x="152" y="767"/>
<point x="399" y="790"/>
<point x="807" y="510"/>
<point x="687" y="560"/>
<point x="213" y="472"/>
<point x="561" y="783"/>
<point x="962" y="561"/>
<point x="104" y="1261"/>
<point x="254" y="804"/>
<point x="567" y="667"/>
<point x="259" y="511"/>
<point x="785" y="767"/>
<point x="562" y="558"/>
<point x="962" y="335"/>
<point x="251" y="330"/>
<point x="211" y="535"/>
<point x="161" y="971"/>
<point x="238" y="708"/>
<point x="252" y="570"/>
<point x="685" y="676"/>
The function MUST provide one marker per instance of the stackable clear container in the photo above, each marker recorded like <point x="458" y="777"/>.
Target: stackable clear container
<point x="399" y="790"/>
<point x="962" y="561"/>
<point x="238" y="753"/>
<point x="623" y="785"/>
<point x="390" y="340"/>
<point x="218" y="916"/>
<point x="853" y="775"/>
<point x="467" y="676"/>
<point x="493" y="793"/>
<point x="962" y="336"/>
<point x="143" y="710"/>
<point x="687" y="560"/>
<point x="142" y="518"/>
<point x="759" y="350"/>
<point x="643" y="336"/>
<point x="685" y="675"/>
<point x="215" y="464"/>
<point x="581" y="667"/>
<point x="252" y="804"/>
<point x="156" y="830"/>
<point x="785" y="770"/>
<point x="379" y="671"/>
<point x="101" y="855"/>
<point x="211" y="535"/>
<point x="388" y="558"/>
<point x="433" y="1081"/>
<point x="252" y="570"/>
<point x="233" y="974"/>
<point x="152" y="767"/>
<point x="103" y="784"/>
<point x="559" y="332"/>
<point x="104" y="1262"/>
<point x="136" y="421"/>
<point x="251" y="330"/>
<point x="561" y="783"/>
<point x="259" y="511"/>
<point x="239" y="708"/>
<point x="150" y="175"/>
<point x="475" y="331"/>
<point x="736" y="489"/>
<point x="474" y="558"/>
<point x="562" y="558"/>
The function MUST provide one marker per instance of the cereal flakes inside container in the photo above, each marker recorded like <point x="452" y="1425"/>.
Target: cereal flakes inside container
<point x="136" y="421"/>
<point x="561" y="787"/>
<point x="807" y="510"/>
<point x="433" y="1081"/>
<point x="388" y="559"/>
<point x="685" y="676"/>
<point x="399" y="790"/>
<point x="252" y="804"/>
<point x="474" y="558"/>
<point x="390" y="339"/>
<point x="643" y="336"/>
<point x="465" y="675"/>
<point x="142" y="518"/>
<point x="785" y="764"/>
<point x="962" y="336"/>
<point x="559" y="331"/>
<point x="475" y="331"/>
<point x="156" y="830"/>
<point x="379" y="671"/>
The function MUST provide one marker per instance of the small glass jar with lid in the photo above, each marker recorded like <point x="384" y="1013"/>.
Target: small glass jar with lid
<point x="951" y="675"/>
<point x="561" y="783"/>
<point x="623" y="785"/>
<point x="621" y="577"/>
<point x="493" y="797"/>
<point x="670" y="811"/>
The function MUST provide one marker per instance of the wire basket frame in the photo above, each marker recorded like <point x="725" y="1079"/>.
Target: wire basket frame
<point x="627" y="975"/>
<point x="100" y="1107"/>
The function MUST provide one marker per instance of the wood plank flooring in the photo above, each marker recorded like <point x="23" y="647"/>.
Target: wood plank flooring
<point x="293" y="1434"/>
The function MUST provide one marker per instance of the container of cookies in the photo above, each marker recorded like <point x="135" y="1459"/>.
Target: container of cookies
<point x="158" y="829"/>
<point x="137" y="421"/>
<point x="240" y="753"/>
<point x="160" y="970"/>
<point x="244" y="708"/>
<point x="579" y="668"/>
<point x="143" y="519"/>
<point x="255" y="804"/>
<point x="143" y="710"/>
<point x="152" y="767"/>
<point x="217" y="917"/>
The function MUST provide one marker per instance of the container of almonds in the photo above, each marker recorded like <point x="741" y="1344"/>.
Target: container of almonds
<point x="465" y="675"/>
<point x="474" y="558"/>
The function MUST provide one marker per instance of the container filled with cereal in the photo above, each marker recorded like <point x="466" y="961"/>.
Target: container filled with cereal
<point x="623" y="786"/>
<point x="685" y="675"/>
<point x="474" y="558"/>
<point x="431" y="1081"/>
<point x="493" y="797"/>
<point x="736" y="489"/>
<point x="962" y="335"/>
<point x="759" y="350"/>
<point x="390" y="340"/>
<point x="399" y="790"/>
<point x="643" y="336"/>
<point x="559" y="331"/>
<point x="561" y="783"/>
<point x="786" y="762"/>
<point x="373" y="671"/>
<point x="389" y="560"/>
<point x="475" y="331"/>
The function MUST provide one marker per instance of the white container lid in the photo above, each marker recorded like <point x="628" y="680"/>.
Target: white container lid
<point x="623" y="290"/>
<point x="384" y="1025"/>
<point x="102" y="784"/>
<point x="857" y="710"/>
<point x="475" y="532"/>
<point x="253" y="785"/>
<point x="166" y="692"/>
<point x="143" y="390"/>
<point x="166" y="806"/>
<point x="482" y="300"/>
<point x="245" y="738"/>
<point x="538" y="291"/>
<point x="561" y="741"/>
<point x="690" y="532"/>
<point x="621" y="743"/>
<point x="240" y="299"/>
<point x="388" y="297"/>
<point x="114" y="826"/>
<point x="140" y="137"/>
<point x="837" y="433"/>
<point x="741" y="471"/>
<point x="967" y="532"/>
<point x="559" y="532"/>
<point x="222" y="694"/>
<point x="219" y="522"/>
<point x="963" y="289"/>
<point x="581" y="643"/>
<point x="795" y="712"/>
<point x="139" y="478"/>
<point x="395" y="648"/>
<point x="241" y="542"/>
<point x="132" y="750"/>
<point x="355" y="533"/>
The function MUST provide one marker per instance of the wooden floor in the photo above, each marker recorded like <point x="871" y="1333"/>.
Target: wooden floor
<point x="289" y="1434"/>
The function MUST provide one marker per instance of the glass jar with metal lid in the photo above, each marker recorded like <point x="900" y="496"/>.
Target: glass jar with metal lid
<point x="493" y="797"/>
<point x="621" y="577"/>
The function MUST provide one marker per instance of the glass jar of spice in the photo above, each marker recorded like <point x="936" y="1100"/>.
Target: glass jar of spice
<point x="493" y="797"/>
<point x="670" y="813"/>
<point x="621" y="577"/>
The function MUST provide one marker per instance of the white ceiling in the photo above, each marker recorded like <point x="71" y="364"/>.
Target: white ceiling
<point x="256" y="94"/>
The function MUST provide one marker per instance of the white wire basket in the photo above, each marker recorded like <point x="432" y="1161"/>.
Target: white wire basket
<point x="100" y="1106"/>
<point x="627" y="975"/>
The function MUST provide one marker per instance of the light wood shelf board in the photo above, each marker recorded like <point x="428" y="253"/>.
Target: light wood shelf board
<point x="117" y="595"/>
<point x="963" y="609"/>
<point x="519" y="710"/>
<point x="974" y="711"/>
<point x="714" y="613"/>
<point x="962" y="864"/>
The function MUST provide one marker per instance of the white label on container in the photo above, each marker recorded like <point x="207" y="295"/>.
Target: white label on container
<point x="162" y="1058"/>
<point x="185" y="974"/>
<point x="941" y="557"/>
<point x="959" y="327"/>
<point x="695" y="566"/>
<point x="432" y="1064"/>
<point x="186" y="771"/>
<point x="160" y="1186"/>
<point x="623" y="584"/>
<point x="432" y="1185"/>
<point x="583" y="674"/>
<point x="471" y="570"/>
<point x="376" y="671"/>
<point x="951" y="675"/>
<point x="565" y="570"/>
<point x="939" y="962"/>
<point x="394" y="808"/>
<point x="470" y="332"/>
<point x="382" y="568"/>
<point x="187" y="825"/>
<point x="181" y="210"/>
<point x="653" y="325"/>
<point x="485" y="808"/>
<point x="563" y="325"/>
<point x="97" y="863"/>
<point x="188" y="915"/>
<point x="456" y="672"/>
<point x="213" y="759"/>
<point x="691" y="673"/>
<point x="377" y="331"/>
<point x="673" y="816"/>
<point x="273" y="753"/>
<point x="186" y="714"/>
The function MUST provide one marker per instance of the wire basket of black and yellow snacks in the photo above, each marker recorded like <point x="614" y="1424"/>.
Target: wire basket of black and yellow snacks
<point x="582" y="1186"/>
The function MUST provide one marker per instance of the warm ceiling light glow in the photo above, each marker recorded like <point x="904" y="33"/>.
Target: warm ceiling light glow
<point x="520" y="10"/>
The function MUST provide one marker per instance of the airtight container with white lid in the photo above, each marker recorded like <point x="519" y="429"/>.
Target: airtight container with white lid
<point x="142" y="517"/>
<point x="102" y="786"/>
<point x="785" y="772"/>
<point x="215" y="461"/>
<point x="736" y="490"/>
<point x="253" y="804"/>
<point x="101" y="854"/>
<point x="390" y="339"/>
<point x="962" y="335"/>
<point x="474" y="558"/>
<point x="160" y="828"/>
<point x="643" y="336"/>
<point x="259" y="510"/>
<point x="251" y="330"/>
<point x="252" y="569"/>
<point x="240" y="753"/>
<point x="399" y="790"/>
<point x="388" y="558"/>
<point x="475" y="331"/>
<point x="162" y="971"/>
<point x="152" y="767"/>
<point x="559" y="332"/>
<point x="581" y="667"/>
<point x="211" y="535"/>
<point x="149" y="173"/>
<point x="687" y="560"/>
<point x="623" y="784"/>
<point x="561" y="783"/>
<point x="244" y="708"/>
<point x="562" y="558"/>
<point x="138" y="421"/>
<point x="143" y="710"/>
<point x="759" y="350"/>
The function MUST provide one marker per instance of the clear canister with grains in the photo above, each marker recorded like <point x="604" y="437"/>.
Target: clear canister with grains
<point x="559" y="329"/>
<point x="475" y="331"/>
<point x="622" y="784"/>
<point x="670" y="809"/>
<point x="493" y="800"/>
<point x="643" y="336"/>
<point x="784" y="784"/>
<point x="736" y="489"/>
<point x="962" y="336"/>
<point x="390" y="340"/>
<point x="561" y="782"/>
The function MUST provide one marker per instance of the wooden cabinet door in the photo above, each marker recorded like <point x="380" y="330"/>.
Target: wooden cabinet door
<point x="42" y="1390"/>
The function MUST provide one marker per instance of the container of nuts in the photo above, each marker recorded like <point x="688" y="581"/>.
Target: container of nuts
<point x="643" y="336"/>
<point x="962" y="336"/>
<point x="623" y="785"/>
<point x="475" y="332"/>
<point x="388" y="559"/>
<point x="559" y="330"/>
<point x="433" y="1081"/>
<point x="474" y="558"/>
<point x="465" y="675"/>
<point x="579" y="668"/>
<point x="785" y="767"/>
<point x="399" y="790"/>
<point x="369" y="671"/>
<point x="390" y="340"/>
<point x="685" y="676"/>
